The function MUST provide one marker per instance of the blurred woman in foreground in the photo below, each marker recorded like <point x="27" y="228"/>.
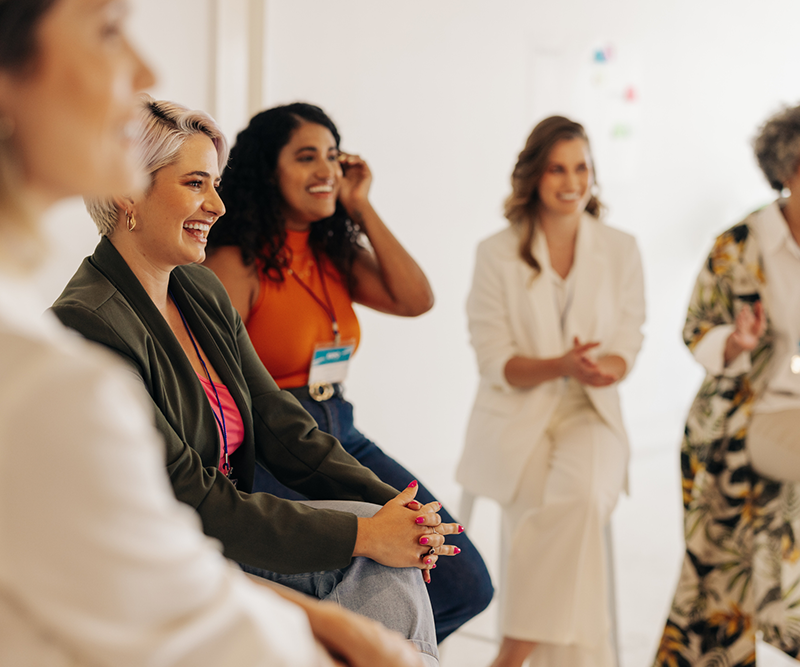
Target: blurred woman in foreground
<point x="98" y="567"/>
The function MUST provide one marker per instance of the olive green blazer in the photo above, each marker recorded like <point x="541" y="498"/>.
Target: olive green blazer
<point x="105" y="302"/>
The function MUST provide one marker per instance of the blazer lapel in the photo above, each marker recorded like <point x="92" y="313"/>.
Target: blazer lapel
<point x="110" y="263"/>
<point x="208" y="337"/>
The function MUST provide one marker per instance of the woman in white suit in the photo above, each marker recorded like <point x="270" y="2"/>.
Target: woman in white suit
<point x="555" y="316"/>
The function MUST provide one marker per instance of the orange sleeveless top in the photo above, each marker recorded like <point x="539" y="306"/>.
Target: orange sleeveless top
<point x="286" y="322"/>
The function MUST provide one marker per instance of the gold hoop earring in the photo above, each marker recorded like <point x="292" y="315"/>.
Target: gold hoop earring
<point x="130" y="221"/>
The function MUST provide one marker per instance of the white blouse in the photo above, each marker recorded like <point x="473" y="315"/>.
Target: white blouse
<point x="563" y="288"/>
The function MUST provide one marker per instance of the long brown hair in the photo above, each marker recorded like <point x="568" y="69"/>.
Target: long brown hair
<point x="520" y="207"/>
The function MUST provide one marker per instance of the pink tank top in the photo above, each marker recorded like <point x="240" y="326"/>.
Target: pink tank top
<point x="234" y="426"/>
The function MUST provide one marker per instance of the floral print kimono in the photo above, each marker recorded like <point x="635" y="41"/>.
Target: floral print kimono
<point x="741" y="570"/>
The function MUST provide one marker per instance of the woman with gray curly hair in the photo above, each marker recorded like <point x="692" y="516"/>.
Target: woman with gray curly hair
<point x="740" y="457"/>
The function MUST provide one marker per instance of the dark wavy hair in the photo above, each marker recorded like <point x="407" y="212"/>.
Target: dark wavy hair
<point x="18" y="24"/>
<point x="520" y="207"/>
<point x="20" y="21"/>
<point x="253" y="221"/>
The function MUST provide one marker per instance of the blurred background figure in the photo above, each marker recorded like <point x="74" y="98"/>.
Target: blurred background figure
<point x="740" y="458"/>
<point x="299" y="244"/>
<point x="555" y="316"/>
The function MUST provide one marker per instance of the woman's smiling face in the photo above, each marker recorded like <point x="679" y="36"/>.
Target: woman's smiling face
<point x="309" y="175"/>
<point x="565" y="186"/>
<point x="174" y="216"/>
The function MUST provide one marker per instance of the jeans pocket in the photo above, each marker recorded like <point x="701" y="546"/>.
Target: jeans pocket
<point x="326" y="585"/>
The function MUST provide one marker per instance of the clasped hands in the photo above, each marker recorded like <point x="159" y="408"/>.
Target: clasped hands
<point x="601" y="373"/>
<point x="406" y="533"/>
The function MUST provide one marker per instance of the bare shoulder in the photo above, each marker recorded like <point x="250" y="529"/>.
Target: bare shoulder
<point x="240" y="280"/>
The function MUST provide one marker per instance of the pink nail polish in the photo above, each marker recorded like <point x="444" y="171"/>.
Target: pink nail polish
<point x="460" y="528"/>
<point x="428" y="561"/>
<point x="456" y="550"/>
<point x="413" y="484"/>
<point x="420" y="519"/>
<point x="424" y="540"/>
<point x="433" y="567"/>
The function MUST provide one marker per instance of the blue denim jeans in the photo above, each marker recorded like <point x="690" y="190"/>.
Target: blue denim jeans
<point x="392" y="596"/>
<point x="460" y="586"/>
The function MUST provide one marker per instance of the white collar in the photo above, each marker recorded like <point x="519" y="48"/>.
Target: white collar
<point x="773" y="231"/>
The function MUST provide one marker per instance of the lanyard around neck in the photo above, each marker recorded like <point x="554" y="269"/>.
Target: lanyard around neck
<point x="220" y="419"/>
<point x="327" y="305"/>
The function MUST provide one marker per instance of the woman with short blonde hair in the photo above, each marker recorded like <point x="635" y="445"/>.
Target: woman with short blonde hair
<point x="162" y="129"/>
<point x="144" y="296"/>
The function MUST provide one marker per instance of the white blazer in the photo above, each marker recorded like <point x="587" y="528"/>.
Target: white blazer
<point x="512" y="312"/>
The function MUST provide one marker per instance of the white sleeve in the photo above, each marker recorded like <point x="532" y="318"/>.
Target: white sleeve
<point x="710" y="353"/>
<point x="628" y="337"/>
<point x="94" y="549"/>
<point x="489" y="323"/>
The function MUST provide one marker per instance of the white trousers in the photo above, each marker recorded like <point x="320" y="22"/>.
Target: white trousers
<point x="554" y="590"/>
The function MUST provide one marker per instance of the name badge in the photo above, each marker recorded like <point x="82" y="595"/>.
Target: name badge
<point x="329" y="362"/>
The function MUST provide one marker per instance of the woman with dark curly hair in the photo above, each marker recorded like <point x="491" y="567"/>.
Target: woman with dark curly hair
<point x="740" y="456"/>
<point x="291" y="253"/>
